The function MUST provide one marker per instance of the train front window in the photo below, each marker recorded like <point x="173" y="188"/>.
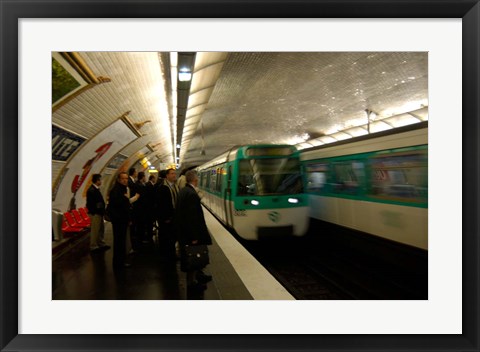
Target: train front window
<point x="269" y="176"/>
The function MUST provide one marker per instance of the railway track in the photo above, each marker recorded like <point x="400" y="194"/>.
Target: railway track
<point x="333" y="267"/>
<point x="312" y="270"/>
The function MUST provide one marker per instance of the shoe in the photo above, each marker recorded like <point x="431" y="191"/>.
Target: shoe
<point x="105" y="248"/>
<point x="132" y="251"/>
<point x="95" y="250"/>
<point x="203" y="278"/>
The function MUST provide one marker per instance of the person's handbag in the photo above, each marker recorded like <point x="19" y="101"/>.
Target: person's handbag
<point x="195" y="257"/>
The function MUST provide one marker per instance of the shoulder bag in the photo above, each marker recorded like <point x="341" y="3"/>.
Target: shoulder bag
<point x="195" y="257"/>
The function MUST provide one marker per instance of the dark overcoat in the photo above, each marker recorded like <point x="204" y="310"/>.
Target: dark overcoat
<point x="189" y="219"/>
<point x="119" y="208"/>
<point x="95" y="202"/>
<point x="164" y="202"/>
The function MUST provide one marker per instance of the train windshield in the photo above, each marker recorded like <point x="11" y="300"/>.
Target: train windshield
<point x="269" y="176"/>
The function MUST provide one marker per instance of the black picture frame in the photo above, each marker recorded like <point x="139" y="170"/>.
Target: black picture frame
<point x="12" y="11"/>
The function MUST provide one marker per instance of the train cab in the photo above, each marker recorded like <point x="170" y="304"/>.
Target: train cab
<point x="257" y="190"/>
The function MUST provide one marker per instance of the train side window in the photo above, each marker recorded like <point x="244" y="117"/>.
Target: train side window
<point x="207" y="179"/>
<point x="213" y="180"/>
<point x="219" y="179"/>
<point x="316" y="177"/>
<point x="348" y="177"/>
<point x="202" y="177"/>
<point x="403" y="177"/>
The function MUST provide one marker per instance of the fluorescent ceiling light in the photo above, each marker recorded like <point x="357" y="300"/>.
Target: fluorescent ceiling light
<point x="339" y="136"/>
<point x="184" y="75"/>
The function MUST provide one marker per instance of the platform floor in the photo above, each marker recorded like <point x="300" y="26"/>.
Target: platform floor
<point x="80" y="275"/>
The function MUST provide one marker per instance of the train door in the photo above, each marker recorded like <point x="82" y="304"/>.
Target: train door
<point x="227" y="198"/>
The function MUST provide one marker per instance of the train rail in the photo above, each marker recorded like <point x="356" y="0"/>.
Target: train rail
<point x="312" y="269"/>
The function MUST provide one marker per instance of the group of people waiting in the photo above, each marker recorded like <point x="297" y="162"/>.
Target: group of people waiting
<point x="139" y="206"/>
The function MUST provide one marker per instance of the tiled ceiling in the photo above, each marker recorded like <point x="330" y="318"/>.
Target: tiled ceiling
<point x="290" y="97"/>
<point x="240" y="98"/>
<point x="136" y="86"/>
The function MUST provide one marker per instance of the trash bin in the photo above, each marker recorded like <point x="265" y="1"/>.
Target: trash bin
<point x="57" y="219"/>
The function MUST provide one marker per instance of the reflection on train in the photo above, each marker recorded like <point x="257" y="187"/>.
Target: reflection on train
<point x="257" y="190"/>
<point x="376" y="184"/>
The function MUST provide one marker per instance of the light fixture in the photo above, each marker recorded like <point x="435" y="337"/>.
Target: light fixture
<point x="293" y="200"/>
<point x="184" y="75"/>
<point x="255" y="202"/>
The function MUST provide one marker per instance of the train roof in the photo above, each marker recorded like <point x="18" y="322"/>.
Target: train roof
<point x="241" y="149"/>
<point x="395" y="131"/>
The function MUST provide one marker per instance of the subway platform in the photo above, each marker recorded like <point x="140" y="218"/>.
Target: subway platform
<point x="78" y="274"/>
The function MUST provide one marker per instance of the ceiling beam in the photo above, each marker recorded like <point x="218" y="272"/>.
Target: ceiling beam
<point x="186" y="61"/>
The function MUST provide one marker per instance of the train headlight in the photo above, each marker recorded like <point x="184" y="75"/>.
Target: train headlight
<point x="255" y="202"/>
<point x="293" y="200"/>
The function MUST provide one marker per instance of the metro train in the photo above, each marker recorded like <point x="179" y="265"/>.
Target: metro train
<point x="257" y="190"/>
<point x="376" y="184"/>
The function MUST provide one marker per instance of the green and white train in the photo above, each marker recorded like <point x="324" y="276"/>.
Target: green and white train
<point x="257" y="190"/>
<point x="377" y="184"/>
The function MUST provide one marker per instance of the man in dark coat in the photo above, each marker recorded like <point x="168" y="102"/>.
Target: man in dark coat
<point x="119" y="211"/>
<point x="132" y="189"/>
<point x="151" y="207"/>
<point x="96" y="211"/>
<point x="132" y="174"/>
<point x="166" y="202"/>
<point x="139" y="211"/>
<point x="190" y="225"/>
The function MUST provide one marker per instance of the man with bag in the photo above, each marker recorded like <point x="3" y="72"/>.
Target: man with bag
<point x="166" y="201"/>
<point x="193" y="235"/>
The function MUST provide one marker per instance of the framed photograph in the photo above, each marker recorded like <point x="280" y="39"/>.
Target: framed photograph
<point x="222" y="326"/>
<point x="71" y="76"/>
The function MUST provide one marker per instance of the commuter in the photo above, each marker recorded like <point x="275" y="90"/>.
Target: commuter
<point x="119" y="211"/>
<point x="166" y="200"/>
<point x="96" y="211"/>
<point x="161" y="177"/>
<point x="139" y="211"/>
<point x="151" y="182"/>
<point x="150" y="207"/>
<point x="131" y="191"/>
<point x="191" y="227"/>
<point x="160" y="181"/>
<point x="181" y="180"/>
<point x="132" y="173"/>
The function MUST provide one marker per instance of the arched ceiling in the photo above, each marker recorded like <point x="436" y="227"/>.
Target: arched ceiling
<point x="292" y="97"/>
<point x="246" y="97"/>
